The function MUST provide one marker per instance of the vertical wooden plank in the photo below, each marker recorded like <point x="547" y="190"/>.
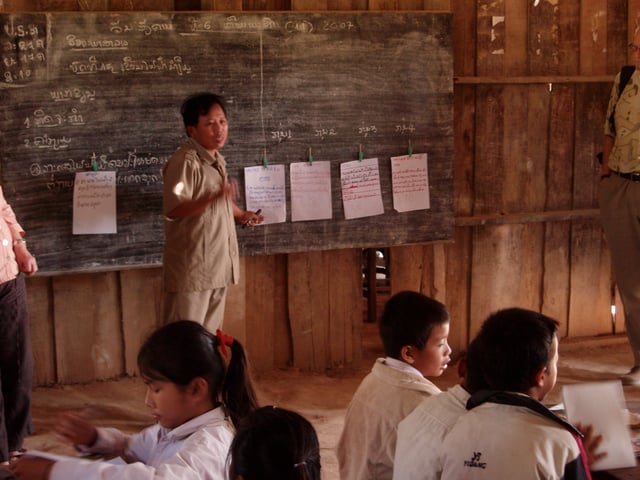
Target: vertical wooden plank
<point x="437" y="5"/>
<point x="553" y="37"/>
<point x="590" y="301"/>
<point x="506" y="269"/>
<point x="516" y="52"/>
<point x="438" y="275"/>
<point x="309" y="5"/>
<point x="633" y="22"/>
<point x="561" y="147"/>
<point x="618" y="35"/>
<point x="139" y="5"/>
<point x="235" y="312"/>
<point x="283" y="355"/>
<point x="502" y="37"/>
<point x="345" y="308"/>
<point x="396" y="4"/>
<point x="250" y="5"/>
<point x="464" y="145"/>
<point x="225" y="5"/>
<point x="308" y="282"/>
<point x="261" y="300"/>
<point x="458" y="271"/>
<point x="88" y="332"/>
<point x="407" y="265"/>
<point x="141" y="296"/>
<point x="464" y="33"/>
<point x="40" y="305"/>
<point x="593" y="37"/>
<point x="556" y="277"/>
<point x="590" y="116"/>
<point x="489" y="173"/>
<point x="590" y="298"/>
<point x="491" y="37"/>
<point x="556" y="274"/>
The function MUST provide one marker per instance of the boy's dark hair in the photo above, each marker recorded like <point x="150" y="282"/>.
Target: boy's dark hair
<point x="275" y="443"/>
<point x="181" y="351"/>
<point x="511" y="347"/>
<point x="408" y="319"/>
<point x="199" y="104"/>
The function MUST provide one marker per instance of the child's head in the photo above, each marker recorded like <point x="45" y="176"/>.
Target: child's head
<point x="188" y="356"/>
<point x="414" y="328"/>
<point x="516" y="350"/>
<point x="275" y="443"/>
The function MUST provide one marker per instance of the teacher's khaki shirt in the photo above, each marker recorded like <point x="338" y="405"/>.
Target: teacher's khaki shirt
<point x="201" y="252"/>
<point x="625" y="154"/>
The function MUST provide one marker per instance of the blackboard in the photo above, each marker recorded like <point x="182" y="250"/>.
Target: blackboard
<point x="105" y="88"/>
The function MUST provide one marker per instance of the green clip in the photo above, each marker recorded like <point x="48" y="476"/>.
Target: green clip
<point x="265" y="162"/>
<point x="310" y="158"/>
<point x="94" y="165"/>
<point x="360" y="155"/>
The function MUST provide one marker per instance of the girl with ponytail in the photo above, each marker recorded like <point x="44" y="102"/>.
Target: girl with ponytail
<point x="198" y="388"/>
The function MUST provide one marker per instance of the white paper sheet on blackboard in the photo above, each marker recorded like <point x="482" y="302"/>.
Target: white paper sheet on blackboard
<point x="94" y="203"/>
<point x="265" y="191"/>
<point x="310" y="191"/>
<point x="410" y="182"/>
<point x="361" y="191"/>
<point x="602" y="405"/>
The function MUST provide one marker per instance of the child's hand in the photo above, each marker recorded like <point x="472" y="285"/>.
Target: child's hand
<point x="591" y="443"/>
<point x="32" y="468"/>
<point x="76" y="430"/>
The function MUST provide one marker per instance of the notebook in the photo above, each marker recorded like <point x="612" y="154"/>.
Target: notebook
<point x="602" y="405"/>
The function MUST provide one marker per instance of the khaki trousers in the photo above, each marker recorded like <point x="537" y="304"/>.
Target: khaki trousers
<point x="620" y="214"/>
<point x="205" y="307"/>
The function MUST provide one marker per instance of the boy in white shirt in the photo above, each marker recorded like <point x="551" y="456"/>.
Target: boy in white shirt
<point x="414" y="331"/>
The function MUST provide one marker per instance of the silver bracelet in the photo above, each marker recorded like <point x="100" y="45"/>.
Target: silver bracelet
<point x="19" y="241"/>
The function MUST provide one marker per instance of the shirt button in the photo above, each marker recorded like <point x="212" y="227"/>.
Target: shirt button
<point x="5" y="242"/>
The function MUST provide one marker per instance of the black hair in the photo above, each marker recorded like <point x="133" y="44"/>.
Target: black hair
<point x="408" y="319"/>
<point x="275" y="443"/>
<point x="198" y="105"/>
<point x="181" y="351"/>
<point x="512" y="346"/>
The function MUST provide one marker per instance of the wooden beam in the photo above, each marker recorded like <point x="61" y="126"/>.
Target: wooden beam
<point x="506" y="80"/>
<point x="529" y="217"/>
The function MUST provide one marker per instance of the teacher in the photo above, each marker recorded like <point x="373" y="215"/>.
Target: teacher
<point x="201" y="247"/>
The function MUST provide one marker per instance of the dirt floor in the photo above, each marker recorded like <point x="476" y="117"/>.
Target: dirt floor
<point x="323" y="399"/>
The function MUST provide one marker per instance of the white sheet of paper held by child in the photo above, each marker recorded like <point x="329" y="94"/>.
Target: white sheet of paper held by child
<point x="602" y="405"/>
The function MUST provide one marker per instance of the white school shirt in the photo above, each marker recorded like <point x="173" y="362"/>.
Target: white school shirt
<point x="196" y="449"/>
<point x="368" y="441"/>
<point x="420" y="435"/>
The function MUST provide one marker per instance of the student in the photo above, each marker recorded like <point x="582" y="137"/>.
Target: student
<point x="419" y="446"/>
<point x="414" y="331"/>
<point x="508" y="432"/>
<point x="274" y="443"/>
<point x="198" y="386"/>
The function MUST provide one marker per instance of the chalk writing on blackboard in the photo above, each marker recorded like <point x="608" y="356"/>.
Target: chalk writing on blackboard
<point x="103" y="90"/>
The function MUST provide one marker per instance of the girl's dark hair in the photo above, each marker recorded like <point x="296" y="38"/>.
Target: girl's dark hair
<point x="275" y="443"/>
<point x="408" y="319"/>
<point x="181" y="351"/>
<point x="199" y="104"/>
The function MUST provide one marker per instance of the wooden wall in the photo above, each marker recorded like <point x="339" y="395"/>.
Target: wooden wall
<point x="532" y="79"/>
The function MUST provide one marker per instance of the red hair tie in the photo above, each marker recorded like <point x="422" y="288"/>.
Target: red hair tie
<point x="224" y="340"/>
